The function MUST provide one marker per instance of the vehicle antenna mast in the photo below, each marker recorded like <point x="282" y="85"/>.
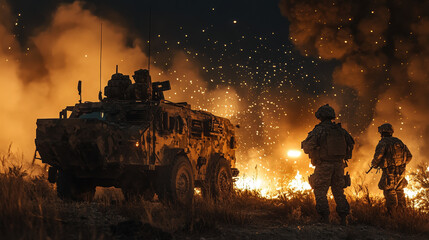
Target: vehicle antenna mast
<point x="100" y="96"/>
<point x="150" y="33"/>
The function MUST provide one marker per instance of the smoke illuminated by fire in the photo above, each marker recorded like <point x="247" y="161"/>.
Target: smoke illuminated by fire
<point x="382" y="77"/>
<point x="67" y="51"/>
<point x="274" y="111"/>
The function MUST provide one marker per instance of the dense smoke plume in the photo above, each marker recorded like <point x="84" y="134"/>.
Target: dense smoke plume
<point x="39" y="81"/>
<point x="383" y="49"/>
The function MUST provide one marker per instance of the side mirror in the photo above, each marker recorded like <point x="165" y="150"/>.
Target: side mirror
<point x="232" y="143"/>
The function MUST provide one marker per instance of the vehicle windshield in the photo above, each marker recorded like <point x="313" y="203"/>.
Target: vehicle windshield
<point x="93" y="115"/>
<point x="117" y="115"/>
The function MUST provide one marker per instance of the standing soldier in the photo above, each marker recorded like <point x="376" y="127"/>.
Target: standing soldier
<point x="392" y="156"/>
<point x="329" y="146"/>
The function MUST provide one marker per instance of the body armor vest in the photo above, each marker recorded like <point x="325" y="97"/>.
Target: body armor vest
<point x="333" y="147"/>
<point x="395" y="155"/>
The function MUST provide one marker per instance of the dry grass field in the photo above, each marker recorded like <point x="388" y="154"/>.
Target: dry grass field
<point x="30" y="209"/>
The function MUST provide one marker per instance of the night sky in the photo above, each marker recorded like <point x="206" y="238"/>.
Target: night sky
<point x="249" y="39"/>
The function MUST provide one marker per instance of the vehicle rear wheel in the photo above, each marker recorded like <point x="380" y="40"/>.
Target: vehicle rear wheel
<point x="180" y="188"/>
<point x="70" y="188"/>
<point x="219" y="184"/>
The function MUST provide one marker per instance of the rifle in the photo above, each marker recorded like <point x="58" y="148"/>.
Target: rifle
<point x="372" y="168"/>
<point x="369" y="169"/>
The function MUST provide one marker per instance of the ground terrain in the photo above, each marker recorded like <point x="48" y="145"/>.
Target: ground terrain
<point x="111" y="222"/>
<point x="30" y="209"/>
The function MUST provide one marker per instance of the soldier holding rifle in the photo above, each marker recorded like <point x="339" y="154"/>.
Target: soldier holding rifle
<point x="392" y="156"/>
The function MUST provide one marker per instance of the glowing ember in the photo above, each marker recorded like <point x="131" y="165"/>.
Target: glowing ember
<point x="294" y="153"/>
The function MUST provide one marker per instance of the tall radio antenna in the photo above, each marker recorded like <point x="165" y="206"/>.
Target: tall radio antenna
<point x="150" y="34"/>
<point x="100" y="96"/>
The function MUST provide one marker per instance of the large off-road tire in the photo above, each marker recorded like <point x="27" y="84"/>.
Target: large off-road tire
<point x="219" y="184"/>
<point x="180" y="183"/>
<point x="70" y="188"/>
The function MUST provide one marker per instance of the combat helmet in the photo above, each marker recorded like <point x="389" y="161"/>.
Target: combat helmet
<point x="386" y="128"/>
<point x="325" y="112"/>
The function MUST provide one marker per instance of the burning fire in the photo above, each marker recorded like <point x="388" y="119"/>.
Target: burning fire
<point x="298" y="184"/>
<point x="271" y="173"/>
<point x="414" y="188"/>
<point x="294" y="153"/>
<point x="273" y="188"/>
<point x="271" y="176"/>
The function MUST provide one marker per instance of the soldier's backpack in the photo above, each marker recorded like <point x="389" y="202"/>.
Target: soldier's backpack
<point x="334" y="147"/>
<point x="396" y="153"/>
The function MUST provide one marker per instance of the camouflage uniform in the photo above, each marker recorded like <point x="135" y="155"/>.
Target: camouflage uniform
<point x="328" y="145"/>
<point x="392" y="155"/>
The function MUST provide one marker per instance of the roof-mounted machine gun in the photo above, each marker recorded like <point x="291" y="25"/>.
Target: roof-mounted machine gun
<point x="159" y="88"/>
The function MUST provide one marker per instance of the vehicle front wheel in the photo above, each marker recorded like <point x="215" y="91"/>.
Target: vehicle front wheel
<point x="181" y="182"/>
<point x="219" y="184"/>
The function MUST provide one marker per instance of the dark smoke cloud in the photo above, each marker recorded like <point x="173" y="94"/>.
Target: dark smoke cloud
<point x="383" y="48"/>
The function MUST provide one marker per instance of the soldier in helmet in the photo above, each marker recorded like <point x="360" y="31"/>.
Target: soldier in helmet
<point x="142" y="88"/>
<point x="329" y="146"/>
<point x="392" y="156"/>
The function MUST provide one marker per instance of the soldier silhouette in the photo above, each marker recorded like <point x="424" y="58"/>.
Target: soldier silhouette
<point x="329" y="146"/>
<point x="392" y="156"/>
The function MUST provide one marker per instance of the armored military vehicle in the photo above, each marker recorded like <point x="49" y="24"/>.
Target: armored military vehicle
<point x="136" y="140"/>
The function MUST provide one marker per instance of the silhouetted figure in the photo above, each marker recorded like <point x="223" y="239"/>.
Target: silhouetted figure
<point x="329" y="146"/>
<point x="142" y="88"/>
<point x="392" y="156"/>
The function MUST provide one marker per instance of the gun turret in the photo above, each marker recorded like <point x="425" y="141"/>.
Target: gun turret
<point x="159" y="88"/>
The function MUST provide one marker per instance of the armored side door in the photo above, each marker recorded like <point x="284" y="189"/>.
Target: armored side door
<point x="139" y="119"/>
<point x="170" y="133"/>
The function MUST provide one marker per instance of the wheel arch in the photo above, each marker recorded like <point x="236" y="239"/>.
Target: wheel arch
<point x="214" y="159"/>
<point x="171" y="154"/>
